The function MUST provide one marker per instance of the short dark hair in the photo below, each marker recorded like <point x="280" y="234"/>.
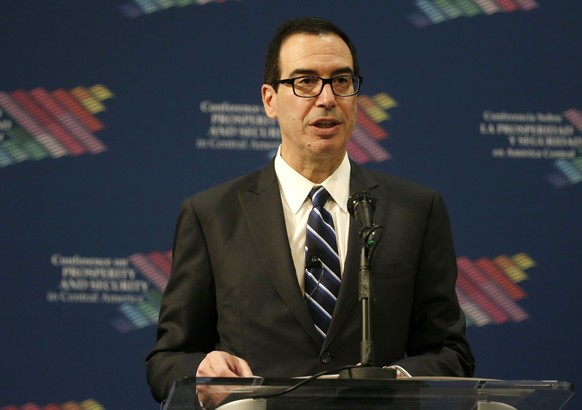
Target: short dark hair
<point x="301" y="25"/>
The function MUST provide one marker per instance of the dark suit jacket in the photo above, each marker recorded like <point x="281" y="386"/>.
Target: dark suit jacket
<point x="233" y="286"/>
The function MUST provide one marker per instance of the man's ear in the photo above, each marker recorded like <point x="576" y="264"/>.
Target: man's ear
<point x="269" y="96"/>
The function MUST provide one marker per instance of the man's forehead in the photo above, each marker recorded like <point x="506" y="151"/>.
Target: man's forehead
<point x="314" y="50"/>
<point x="303" y="40"/>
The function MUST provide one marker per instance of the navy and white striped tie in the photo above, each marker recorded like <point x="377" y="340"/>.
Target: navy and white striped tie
<point x="322" y="266"/>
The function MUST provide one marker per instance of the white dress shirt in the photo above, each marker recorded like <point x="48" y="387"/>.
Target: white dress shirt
<point x="295" y="189"/>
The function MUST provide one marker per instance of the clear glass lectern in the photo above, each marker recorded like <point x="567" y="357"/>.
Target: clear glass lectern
<point x="410" y="394"/>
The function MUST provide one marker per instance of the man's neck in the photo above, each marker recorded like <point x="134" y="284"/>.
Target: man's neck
<point x="316" y="169"/>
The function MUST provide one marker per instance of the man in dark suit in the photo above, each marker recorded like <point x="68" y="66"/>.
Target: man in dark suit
<point x="235" y="304"/>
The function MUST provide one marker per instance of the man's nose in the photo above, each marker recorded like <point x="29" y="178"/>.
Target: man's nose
<point x="326" y="98"/>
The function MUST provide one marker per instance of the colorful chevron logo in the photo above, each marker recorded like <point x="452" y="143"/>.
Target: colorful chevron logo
<point x="137" y="8"/>
<point x="488" y="289"/>
<point x="155" y="267"/>
<point x="364" y="143"/>
<point x="41" y="124"/>
<point x="438" y="11"/>
<point x="568" y="171"/>
<point x="88" y="404"/>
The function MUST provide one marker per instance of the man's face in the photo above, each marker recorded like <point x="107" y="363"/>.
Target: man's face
<point x="319" y="127"/>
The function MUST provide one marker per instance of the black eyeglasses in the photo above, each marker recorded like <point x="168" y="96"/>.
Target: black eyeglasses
<point x="311" y="86"/>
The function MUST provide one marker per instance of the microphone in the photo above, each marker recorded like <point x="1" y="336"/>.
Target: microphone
<point x="312" y="257"/>
<point x="361" y="206"/>
<point x="312" y="262"/>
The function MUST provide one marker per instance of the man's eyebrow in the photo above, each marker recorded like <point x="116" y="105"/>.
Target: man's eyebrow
<point x="304" y="71"/>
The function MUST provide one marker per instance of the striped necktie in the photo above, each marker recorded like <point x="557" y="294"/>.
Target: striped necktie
<point x="322" y="266"/>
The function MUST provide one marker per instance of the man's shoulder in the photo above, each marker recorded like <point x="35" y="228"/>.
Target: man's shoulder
<point x="226" y="189"/>
<point x="391" y="184"/>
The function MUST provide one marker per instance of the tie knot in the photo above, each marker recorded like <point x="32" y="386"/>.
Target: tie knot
<point x="318" y="195"/>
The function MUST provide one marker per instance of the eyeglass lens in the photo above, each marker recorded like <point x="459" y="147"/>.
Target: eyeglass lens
<point x="344" y="85"/>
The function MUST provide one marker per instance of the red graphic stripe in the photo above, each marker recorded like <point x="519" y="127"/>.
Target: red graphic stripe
<point x="370" y="126"/>
<point x="149" y="270"/>
<point x="356" y="153"/>
<point x="496" y="293"/>
<point x="70" y="405"/>
<point x="474" y="295"/>
<point x="527" y="4"/>
<point x="69" y="122"/>
<point x="28" y="123"/>
<point x="575" y="117"/>
<point x="161" y="261"/>
<point x="496" y="274"/>
<point x="473" y="312"/>
<point x="369" y="145"/>
<point x="507" y="5"/>
<point x="473" y="285"/>
<point x="503" y="301"/>
<point x="71" y="144"/>
<point x="74" y="106"/>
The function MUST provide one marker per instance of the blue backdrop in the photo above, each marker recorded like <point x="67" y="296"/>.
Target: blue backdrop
<point x="113" y="111"/>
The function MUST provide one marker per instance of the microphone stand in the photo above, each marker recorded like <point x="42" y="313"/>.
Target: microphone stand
<point x="371" y="237"/>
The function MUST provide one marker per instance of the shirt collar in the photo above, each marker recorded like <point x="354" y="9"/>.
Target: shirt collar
<point x="295" y="187"/>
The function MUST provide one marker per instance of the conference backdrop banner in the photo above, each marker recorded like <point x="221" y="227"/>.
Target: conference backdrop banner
<point x="113" y="111"/>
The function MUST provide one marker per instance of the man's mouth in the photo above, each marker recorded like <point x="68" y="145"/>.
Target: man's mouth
<point x="325" y="124"/>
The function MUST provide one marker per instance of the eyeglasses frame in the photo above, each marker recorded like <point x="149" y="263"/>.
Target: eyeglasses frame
<point x="324" y="81"/>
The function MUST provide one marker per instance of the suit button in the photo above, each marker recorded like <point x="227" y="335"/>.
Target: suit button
<point x="326" y="357"/>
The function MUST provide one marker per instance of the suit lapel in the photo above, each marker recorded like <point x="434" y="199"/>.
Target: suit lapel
<point x="261" y="205"/>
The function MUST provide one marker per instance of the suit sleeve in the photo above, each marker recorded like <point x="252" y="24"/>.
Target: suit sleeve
<point x="187" y="321"/>
<point x="436" y="340"/>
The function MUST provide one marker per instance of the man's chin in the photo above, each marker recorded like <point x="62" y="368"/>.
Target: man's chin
<point x="327" y="146"/>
